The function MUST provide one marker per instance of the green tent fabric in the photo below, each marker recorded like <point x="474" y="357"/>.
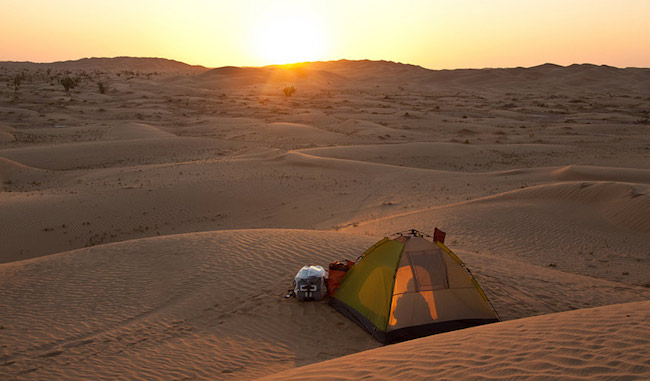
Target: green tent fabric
<point x="410" y="287"/>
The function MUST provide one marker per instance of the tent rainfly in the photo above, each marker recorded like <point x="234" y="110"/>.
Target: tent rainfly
<point x="409" y="287"/>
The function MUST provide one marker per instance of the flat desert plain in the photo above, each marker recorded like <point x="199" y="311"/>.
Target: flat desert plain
<point x="152" y="216"/>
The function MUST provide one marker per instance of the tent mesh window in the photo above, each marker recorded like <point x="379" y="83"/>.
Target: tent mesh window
<point x="429" y="270"/>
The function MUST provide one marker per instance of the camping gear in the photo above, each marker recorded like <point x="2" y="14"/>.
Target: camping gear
<point x="409" y="287"/>
<point x="337" y="271"/>
<point x="309" y="283"/>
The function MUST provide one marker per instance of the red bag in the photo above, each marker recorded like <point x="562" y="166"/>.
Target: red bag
<point x="337" y="271"/>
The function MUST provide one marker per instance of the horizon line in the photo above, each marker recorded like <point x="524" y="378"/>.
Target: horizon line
<point x="323" y="61"/>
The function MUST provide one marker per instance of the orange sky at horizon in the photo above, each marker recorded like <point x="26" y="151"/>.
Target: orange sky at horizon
<point x="435" y="34"/>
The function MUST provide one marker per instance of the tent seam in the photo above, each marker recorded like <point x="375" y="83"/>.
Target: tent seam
<point x="392" y="289"/>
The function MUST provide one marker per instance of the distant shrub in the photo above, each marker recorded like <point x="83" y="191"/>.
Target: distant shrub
<point x="289" y="90"/>
<point x="17" y="80"/>
<point x="69" y="83"/>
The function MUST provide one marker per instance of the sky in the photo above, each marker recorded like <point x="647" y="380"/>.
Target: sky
<point x="436" y="34"/>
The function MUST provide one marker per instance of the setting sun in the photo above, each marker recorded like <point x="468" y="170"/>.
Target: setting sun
<point x="288" y="35"/>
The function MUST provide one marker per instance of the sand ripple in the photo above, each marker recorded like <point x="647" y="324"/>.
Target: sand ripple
<point x="610" y="342"/>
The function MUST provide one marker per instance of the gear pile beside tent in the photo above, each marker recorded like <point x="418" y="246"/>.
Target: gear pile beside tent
<point x="408" y="287"/>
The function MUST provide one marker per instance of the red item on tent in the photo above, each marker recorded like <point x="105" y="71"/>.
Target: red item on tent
<point x="337" y="271"/>
<point x="439" y="235"/>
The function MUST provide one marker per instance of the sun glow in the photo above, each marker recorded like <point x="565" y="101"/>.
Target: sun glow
<point x="289" y="35"/>
<point x="433" y="34"/>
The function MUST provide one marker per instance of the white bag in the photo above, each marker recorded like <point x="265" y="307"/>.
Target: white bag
<point x="310" y="283"/>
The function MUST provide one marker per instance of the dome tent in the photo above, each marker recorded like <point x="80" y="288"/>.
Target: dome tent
<point x="409" y="287"/>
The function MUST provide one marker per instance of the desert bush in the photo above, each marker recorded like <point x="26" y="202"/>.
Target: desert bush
<point x="47" y="74"/>
<point x="69" y="83"/>
<point x="129" y="74"/>
<point x="17" y="80"/>
<point x="289" y="90"/>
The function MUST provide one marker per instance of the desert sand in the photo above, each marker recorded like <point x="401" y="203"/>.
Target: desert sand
<point x="152" y="229"/>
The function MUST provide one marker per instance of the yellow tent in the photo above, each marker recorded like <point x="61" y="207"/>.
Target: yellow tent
<point x="409" y="287"/>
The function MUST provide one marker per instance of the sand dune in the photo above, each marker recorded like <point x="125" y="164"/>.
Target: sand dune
<point x="447" y="156"/>
<point x="15" y="175"/>
<point x="199" y="195"/>
<point x="278" y="75"/>
<point x="210" y="305"/>
<point x="343" y="73"/>
<point x="278" y="189"/>
<point x="199" y="305"/>
<point x="10" y="167"/>
<point x="131" y="131"/>
<point x="597" y="229"/>
<point x="605" y="342"/>
<point x="626" y="175"/>
<point x="287" y="135"/>
<point x="111" y="64"/>
<point x="149" y="229"/>
<point x="624" y="204"/>
<point x="114" y="153"/>
<point x="548" y="76"/>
